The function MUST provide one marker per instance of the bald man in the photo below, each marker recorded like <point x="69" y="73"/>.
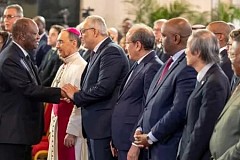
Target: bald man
<point x="161" y="125"/>
<point x="222" y="30"/>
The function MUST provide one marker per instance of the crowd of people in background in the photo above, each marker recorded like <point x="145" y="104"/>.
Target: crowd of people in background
<point x="170" y="92"/>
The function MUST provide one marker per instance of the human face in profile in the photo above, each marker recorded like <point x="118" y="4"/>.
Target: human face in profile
<point x="31" y="36"/>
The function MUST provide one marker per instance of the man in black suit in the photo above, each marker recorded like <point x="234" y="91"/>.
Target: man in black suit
<point x="51" y="61"/>
<point x="221" y="30"/>
<point x="21" y="111"/>
<point x="107" y="67"/>
<point x="160" y="127"/>
<point x="208" y="98"/>
<point x="133" y="91"/>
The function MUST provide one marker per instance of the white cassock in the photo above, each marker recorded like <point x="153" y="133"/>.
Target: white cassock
<point x="69" y="72"/>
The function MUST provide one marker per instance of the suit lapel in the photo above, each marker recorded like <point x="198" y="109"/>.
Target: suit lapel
<point x="138" y="69"/>
<point x="156" y="86"/>
<point x="25" y="64"/>
<point x="235" y="95"/>
<point x="95" y="57"/>
<point x="202" y="83"/>
<point x="130" y="81"/>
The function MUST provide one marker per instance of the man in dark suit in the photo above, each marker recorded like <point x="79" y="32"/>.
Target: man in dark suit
<point x="133" y="91"/>
<point x="21" y="113"/>
<point x="97" y="97"/>
<point x="207" y="99"/>
<point x="43" y="47"/>
<point x="161" y="124"/>
<point x="225" y="140"/>
<point x="221" y="29"/>
<point x="51" y="62"/>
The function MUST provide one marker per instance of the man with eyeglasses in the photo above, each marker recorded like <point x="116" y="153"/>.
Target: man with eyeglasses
<point x="99" y="89"/>
<point x="10" y="15"/>
<point x="221" y="30"/>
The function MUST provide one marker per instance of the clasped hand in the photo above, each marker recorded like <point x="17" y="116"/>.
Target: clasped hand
<point x="67" y="92"/>
<point x="141" y="140"/>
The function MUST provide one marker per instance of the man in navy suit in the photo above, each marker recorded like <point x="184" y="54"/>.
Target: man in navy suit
<point x="99" y="89"/>
<point x="161" y="125"/>
<point x="208" y="98"/>
<point x="133" y="91"/>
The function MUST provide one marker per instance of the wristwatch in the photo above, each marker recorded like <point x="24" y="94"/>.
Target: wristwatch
<point x="149" y="140"/>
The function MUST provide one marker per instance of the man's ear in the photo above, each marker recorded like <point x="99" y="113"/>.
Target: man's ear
<point x="22" y="36"/>
<point x="177" y="38"/>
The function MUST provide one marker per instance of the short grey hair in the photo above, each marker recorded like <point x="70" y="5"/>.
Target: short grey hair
<point x="206" y="43"/>
<point x="144" y="34"/>
<point x="18" y="9"/>
<point x="98" y="23"/>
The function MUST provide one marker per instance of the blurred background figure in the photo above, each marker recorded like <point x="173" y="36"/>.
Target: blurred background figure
<point x="51" y="61"/>
<point x="221" y="30"/>
<point x="43" y="47"/>
<point x="231" y="25"/>
<point x="126" y="25"/>
<point x="2" y="27"/>
<point x="4" y="37"/>
<point x="113" y="33"/>
<point x="158" y="40"/>
<point x="198" y="26"/>
<point x="10" y="15"/>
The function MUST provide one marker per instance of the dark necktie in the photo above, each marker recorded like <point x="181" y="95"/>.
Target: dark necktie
<point x="197" y="84"/>
<point x="30" y="64"/>
<point x="165" y="69"/>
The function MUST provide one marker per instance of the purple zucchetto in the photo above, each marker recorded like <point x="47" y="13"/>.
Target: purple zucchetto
<point x="74" y="31"/>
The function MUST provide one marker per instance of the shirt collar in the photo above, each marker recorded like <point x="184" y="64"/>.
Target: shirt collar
<point x="203" y="71"/>
<point x="139" y="61"/>
<point x="23" y="50"/>
<point x="221" y="49"/>
<point x="98" y="45"/>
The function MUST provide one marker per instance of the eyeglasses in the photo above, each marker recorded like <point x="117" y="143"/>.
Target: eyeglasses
<point x="84" y="30"/>
<point x="9" y="16"/>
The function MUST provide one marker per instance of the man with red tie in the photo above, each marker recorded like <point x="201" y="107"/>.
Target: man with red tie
<point x="160" y="127"/>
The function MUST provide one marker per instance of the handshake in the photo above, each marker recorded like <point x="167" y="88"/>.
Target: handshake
<point x="67" y="92"/>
